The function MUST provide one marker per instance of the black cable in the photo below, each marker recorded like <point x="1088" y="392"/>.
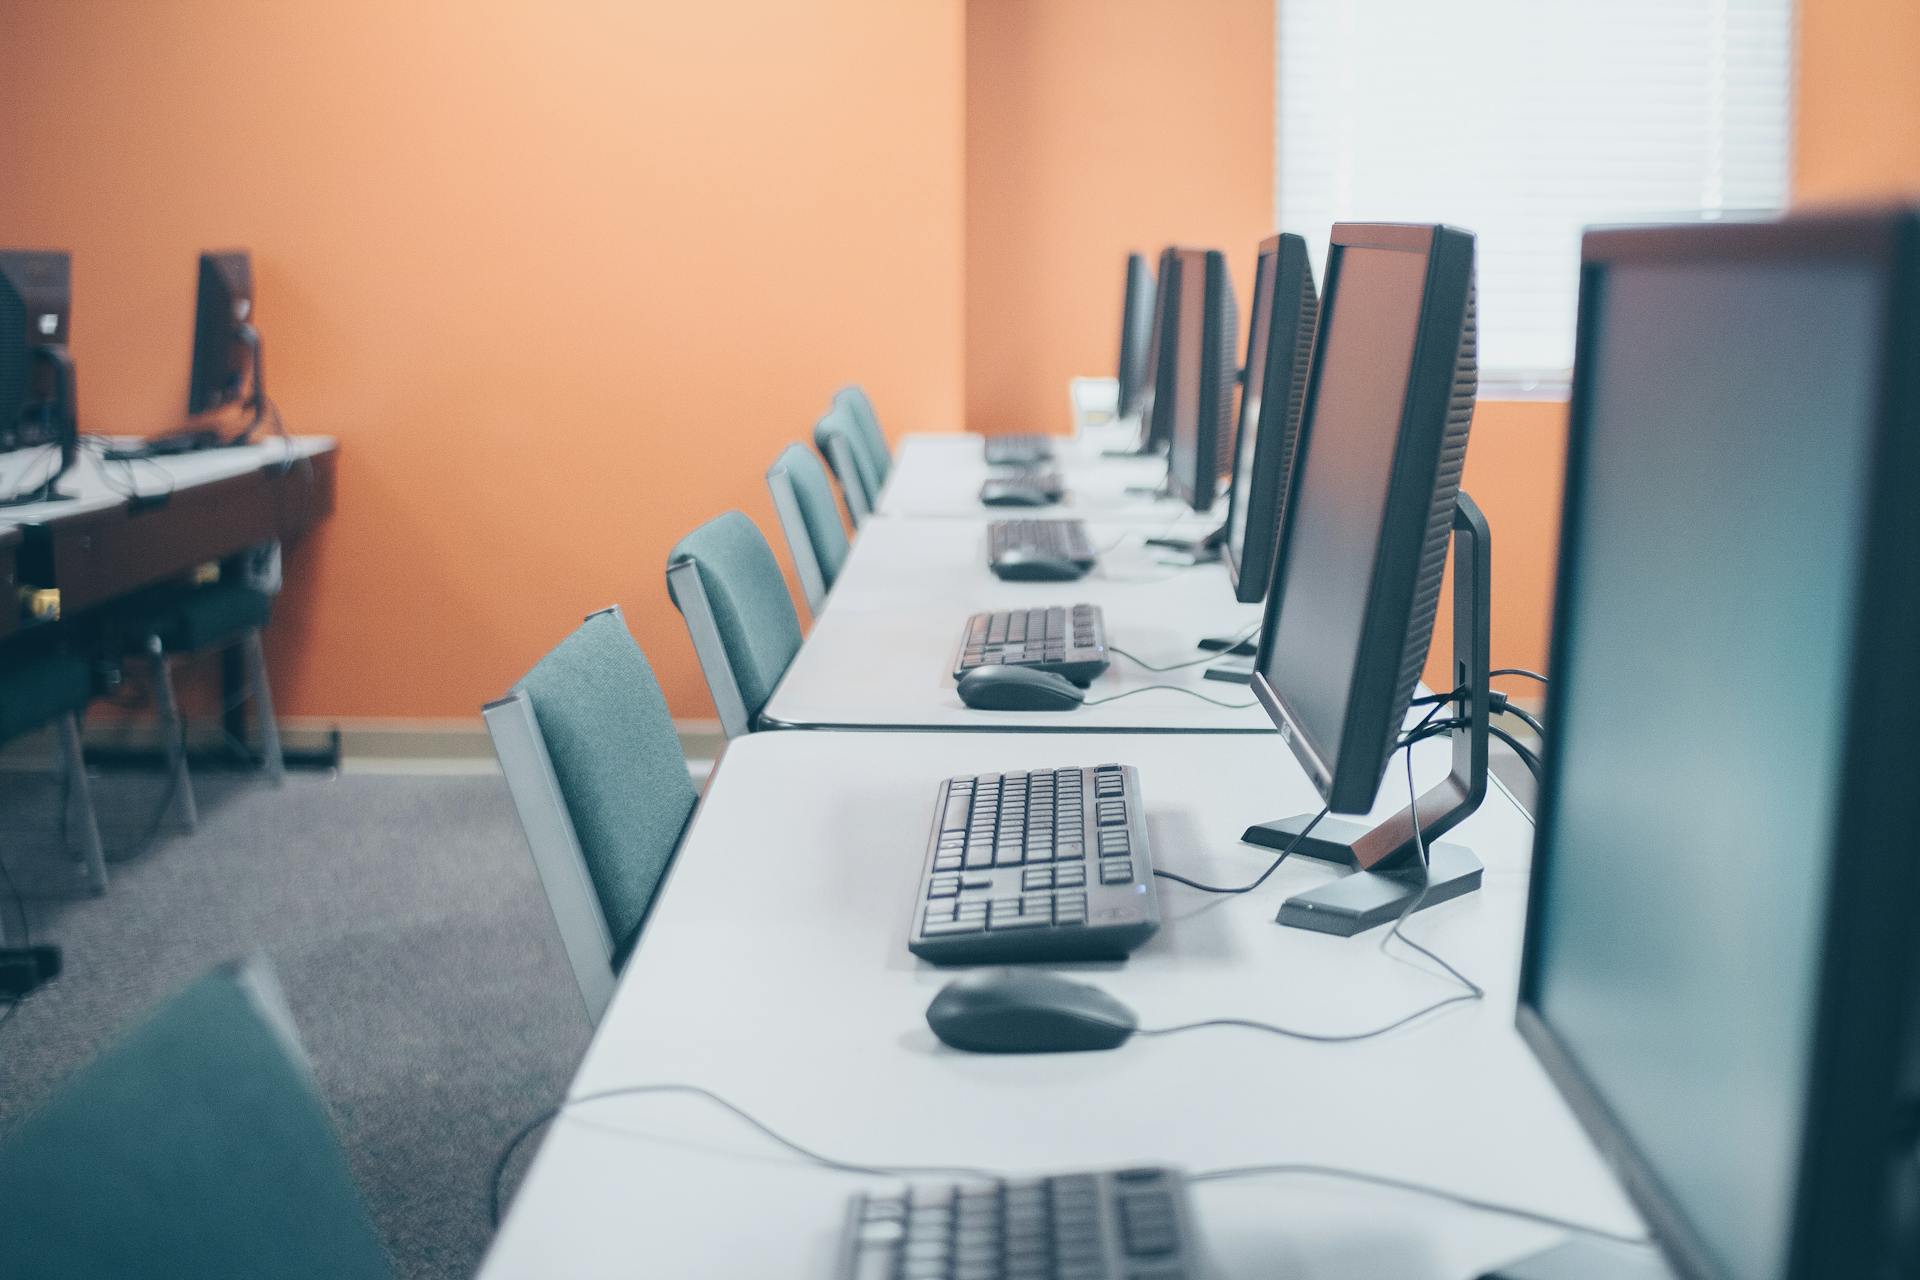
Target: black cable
<point x="1191" y="693"/>
<point x="1191" y="662"/>
<point x="1251" y="885"/>
<point x="1418" y="1189"/>
<point x="1527" y="757"/>
<point x="1314" y="1036"/>
<point x="807" y="1153"/>
<point x="1526" y="717"/>
<point x="1516" y="671"/>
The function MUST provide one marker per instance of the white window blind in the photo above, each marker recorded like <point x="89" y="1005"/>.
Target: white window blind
<point x="1524" y="121"/>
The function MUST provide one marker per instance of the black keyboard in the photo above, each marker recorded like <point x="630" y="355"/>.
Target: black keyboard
<point x="1064" y="540"/>
<point x="1127" y="1224"/>
<point x="1070" y="641"/>
<point x="1034" y="489"/>
<point x="1050" y="865"/>
<point x="1018" y="450"/>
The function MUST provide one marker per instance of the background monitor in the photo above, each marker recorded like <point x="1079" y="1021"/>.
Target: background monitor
<point x="1204" y="377"/>
<point x="1136" y="333"/>
<point x="1157" y="404"/>
<point x="1383" y="435"/>
<point x="1279" y="345"/>
<point x="1720" y="968"/>
<point x="226" y="346"/>
<point x="35" y="310"/>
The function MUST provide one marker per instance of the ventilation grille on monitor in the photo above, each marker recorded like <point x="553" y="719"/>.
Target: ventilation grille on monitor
<point x="1446" y="491"/>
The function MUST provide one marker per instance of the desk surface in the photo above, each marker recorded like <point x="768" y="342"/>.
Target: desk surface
<point x="95" y="484"/>
<point x="774" y="971"/>
<point x="939" y="476"/>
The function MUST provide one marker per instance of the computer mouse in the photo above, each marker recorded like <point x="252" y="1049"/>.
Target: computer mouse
<point x="1015" y="565"/>
<point x="1000" y="688"/>
<point x="1020" y="495"/>
<point x="1026" y="1011"/>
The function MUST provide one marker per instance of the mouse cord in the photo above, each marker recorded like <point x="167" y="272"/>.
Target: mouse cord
<point x="987" y="1175"/>
<point x="1191" y="693"/>
<point x="1191" y="662"/>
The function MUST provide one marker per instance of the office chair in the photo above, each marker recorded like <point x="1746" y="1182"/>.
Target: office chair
<point x="195" y="1147"/>
<point x="879" y="453"/>
<point x="725" y="582"/>
<point x="803" y="497"/>
<point x="594" y="767"/>
<point x="199" y="619"/>
<point x="54" y="687"/>
<point x="842" y="442"/>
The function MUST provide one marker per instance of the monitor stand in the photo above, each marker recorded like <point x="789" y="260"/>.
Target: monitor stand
<point x="1586" y="1260"/>
<point x="1203" y="550"/>
<point x="1388" y="872"/>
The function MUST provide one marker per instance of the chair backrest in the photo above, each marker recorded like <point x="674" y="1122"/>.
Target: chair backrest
<point x="803" y="497"/>
<point x="197" y="1146"/>
<point x="727" y="585"/>
<point x="855" y="398"/>
<point x="594" y="766"/>
<point x="838" y="437"/>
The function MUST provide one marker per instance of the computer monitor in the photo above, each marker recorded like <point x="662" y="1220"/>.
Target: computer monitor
<point x="1156" y="404"/>
<point x="1721" y="970"/>
<point x="1136" y="333"/>
<point x="1204" y="377"/>
<point x="1374" y="492"/>
<point x="1279" y="343"/>
<point x="227" y="366"/>
<point x="37" y="401"/>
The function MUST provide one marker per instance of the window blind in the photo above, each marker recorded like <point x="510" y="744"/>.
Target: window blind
<point x="1525" y="121"/>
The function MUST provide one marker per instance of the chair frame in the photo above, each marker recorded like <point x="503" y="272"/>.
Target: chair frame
<point x="853" y="488"/>
<point x="690" y="595"/>
<point x="806" y="561"/>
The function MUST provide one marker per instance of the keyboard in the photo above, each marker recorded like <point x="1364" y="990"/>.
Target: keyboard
<point x="1124" y="1224"/>
<point x="1034" y="489"/>
<point x="1049" y="865"/>
<point x="1046" y="539"/>
<point x="1018" y="450"/>
<point x="1070" y="641"/>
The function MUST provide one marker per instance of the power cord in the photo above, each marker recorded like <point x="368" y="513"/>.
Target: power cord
<point x="1191" y="662"/>
<point x="986" y="1175"/>
<point x="1191" y="693"/>
<point x="1257" y="881"/>
<point x="1522" y="672"/>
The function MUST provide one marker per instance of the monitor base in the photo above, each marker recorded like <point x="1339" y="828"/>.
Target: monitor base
<point x="1332" y="840"/>
<point x="1231" y="646"/>
<point x="1232" y="671"/>
<point x="1585" y="1260"/>
<point x="1368" y="899"/>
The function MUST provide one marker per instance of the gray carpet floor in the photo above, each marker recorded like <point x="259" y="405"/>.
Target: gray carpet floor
<point x="404" y="920"/>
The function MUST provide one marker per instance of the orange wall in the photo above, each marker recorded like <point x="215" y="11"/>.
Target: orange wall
<point x="563" y="279"/>
<point x="1857" y="123"/>
<point x="1095" y="127"/>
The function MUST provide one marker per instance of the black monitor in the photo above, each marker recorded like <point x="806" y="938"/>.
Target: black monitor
<point x="1199" y="430"/>
<point x="1157" y="399"/>
<point x="37" y="403"/>
<point x="1136" y="332"/>
<point x="1279" y="343"/>
<point x="1374" y="494"/>
<point x="226" y="346"/>
<point x="1721" y="970"/>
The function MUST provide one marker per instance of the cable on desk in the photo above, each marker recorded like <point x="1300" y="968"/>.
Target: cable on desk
<point x="1257" y="881"/>
<point x="1191" y="693"/>
<point x="1236" y="641"/>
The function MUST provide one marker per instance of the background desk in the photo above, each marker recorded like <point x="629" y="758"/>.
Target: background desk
<point x="940" y="476"/>
<point x="774" y="971"/>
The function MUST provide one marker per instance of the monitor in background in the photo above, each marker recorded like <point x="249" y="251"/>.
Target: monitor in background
<point x="1204" y="377"/>
<point x="1279" y="343"/>
<point x="1720" y="970"/>
<point x="226" y="346"/>
<point x="1350" y="610"/>
<point x="37" y="401"/>
<point x="1156" y="403"/>
<point x="1136" y="332"/>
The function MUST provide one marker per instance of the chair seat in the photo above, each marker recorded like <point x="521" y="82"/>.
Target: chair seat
<point x="211" y="616"/>
<point x="40" y="688"/>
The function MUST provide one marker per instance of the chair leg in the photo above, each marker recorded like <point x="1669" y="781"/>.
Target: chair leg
<point x="174" y="730"/>
<point x="80" y="805"/>
<point x="271" y="759"/>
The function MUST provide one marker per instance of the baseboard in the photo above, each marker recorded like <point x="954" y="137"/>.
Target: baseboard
<point x="370" y="744"/>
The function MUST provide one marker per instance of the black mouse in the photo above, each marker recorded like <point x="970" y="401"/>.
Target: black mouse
<point x="1016" y="565"/>
<point x="994" y="494"/>
<point x="1026" y="1011"/>
<point x="1000" y="688"/>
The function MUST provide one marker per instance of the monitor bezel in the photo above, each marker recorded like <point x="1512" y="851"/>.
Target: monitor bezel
<point x="1376" y="706"/>
<point x="1870" y="968"/>
<point x="1200" y="487"/>
<point x="1155" y="426"/>
<point x="216" y="332"/>
<point x="1263" y="490"/>
<point x="1134" y="343"/>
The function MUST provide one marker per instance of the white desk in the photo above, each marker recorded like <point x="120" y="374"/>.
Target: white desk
<point x="774" y="971"/>
<point x="940" y="476"/>
<point x="97" y="485"/>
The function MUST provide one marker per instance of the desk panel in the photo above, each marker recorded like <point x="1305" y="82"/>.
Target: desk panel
<point x="774" y="971"/>
<point x="9" y="582"/>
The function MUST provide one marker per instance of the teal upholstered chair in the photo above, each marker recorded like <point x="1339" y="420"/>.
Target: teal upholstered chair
<point x="803" y="497"/>
<point x="195" y="1147"/>
<point x="594" y="767"/>
<point x="727" y="585"/>
<point x="879" y="453"/>
<point x="41" y="686"/>
<point x="843" y="443"/>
